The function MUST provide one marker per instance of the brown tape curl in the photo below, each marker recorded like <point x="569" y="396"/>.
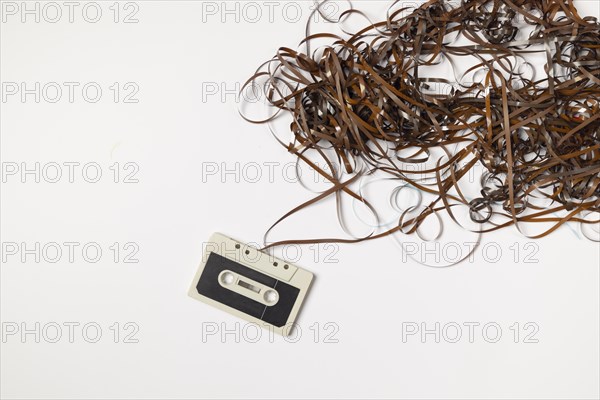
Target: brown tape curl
<point x="366" y="98"/>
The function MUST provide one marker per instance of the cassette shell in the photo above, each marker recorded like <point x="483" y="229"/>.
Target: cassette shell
<point x="250" y="284"/>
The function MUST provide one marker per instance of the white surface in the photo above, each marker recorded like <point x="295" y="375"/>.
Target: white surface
<point x="172" y="134"/>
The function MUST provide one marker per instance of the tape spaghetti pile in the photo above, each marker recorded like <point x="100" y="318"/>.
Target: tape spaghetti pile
<point x="366" y="103"/>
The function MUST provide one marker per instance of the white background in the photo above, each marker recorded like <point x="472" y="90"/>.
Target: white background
<point x="176" y="54"/>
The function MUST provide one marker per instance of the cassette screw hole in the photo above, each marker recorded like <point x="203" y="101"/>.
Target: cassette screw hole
<point x="275" y="264"/>
<point x="227" y="278"/>
<point x="247" y="251"/>
<point x="286" y="266"/>
<point x="271" y="296"/>
<point x="237" y="246"/>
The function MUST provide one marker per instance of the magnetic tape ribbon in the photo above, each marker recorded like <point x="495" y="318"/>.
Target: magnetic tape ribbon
<point x="537" y="138"/>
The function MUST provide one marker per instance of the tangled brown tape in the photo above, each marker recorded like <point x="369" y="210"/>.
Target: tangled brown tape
<point x="368" y="103"/>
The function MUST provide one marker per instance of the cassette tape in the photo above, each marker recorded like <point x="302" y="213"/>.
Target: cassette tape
<point x="250" y="284"/>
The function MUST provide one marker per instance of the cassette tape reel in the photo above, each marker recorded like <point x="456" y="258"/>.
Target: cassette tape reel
<point x="250" y="284"/>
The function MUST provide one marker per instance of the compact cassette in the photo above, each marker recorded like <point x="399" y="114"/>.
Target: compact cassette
<point x="250" y="284"/>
